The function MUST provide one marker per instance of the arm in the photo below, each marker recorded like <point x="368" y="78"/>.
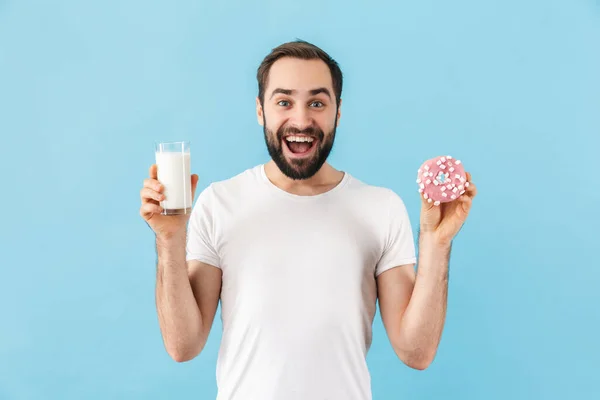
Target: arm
<point x="413" y="306"/>
<point x="187" y="295"/>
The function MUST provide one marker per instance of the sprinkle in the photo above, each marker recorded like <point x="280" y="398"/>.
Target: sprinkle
<point x="454" y="190"/>
<point x="460" y="187"/>
<point x="457" y="176"/>
<point x="453" y="197"/>
<point x="420" y="190"/>
<point x="449" y="157"/>
<point x="439" y="162"/>
<point x="425" y="195"/>
<point x="419" y="170"/>
<point x="442" y="166"/>
<point x="449" y="186"/>
<point x="457" y="162"/>
<point x="443" y="159"/>
<point x="443" y="188"/>
<point x="429" y="200"/>
<point x="461" y="192"/>
<point x="444" y="194"/>
<point x="437" y="203"/>
<point x="422" y="186"/>
<point x="435" y="183"/>
<point x="466" y="184"/>
<point x="427" y="168"/>
<point x="428" y="181"/>
<point x="451" y="169"/>
<point x="418" y="180"/>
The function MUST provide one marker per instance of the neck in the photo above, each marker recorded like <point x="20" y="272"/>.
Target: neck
<point x="324" y="180"/>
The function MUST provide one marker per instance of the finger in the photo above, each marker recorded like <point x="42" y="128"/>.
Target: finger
<point x="471" y="190"/>
<point x="149" y="209"/>
<point x="153" y="171"/>
<point x="148" y="194"/>
<point x="466" y="204"/>
<point x="153" y="184"/>
<point x="468" y="176"/>
<point x="194" y="184"/>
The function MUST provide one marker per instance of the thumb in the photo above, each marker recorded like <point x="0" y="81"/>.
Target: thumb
<point x="194" y="185"/>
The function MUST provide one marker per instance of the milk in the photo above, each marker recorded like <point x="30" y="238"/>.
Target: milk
<point x="174" y="173"/>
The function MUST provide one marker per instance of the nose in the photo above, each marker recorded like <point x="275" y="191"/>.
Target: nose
<point x="300" y="119"/>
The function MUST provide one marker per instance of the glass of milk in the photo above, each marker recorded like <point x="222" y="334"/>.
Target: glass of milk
<point x="174" y="173"/>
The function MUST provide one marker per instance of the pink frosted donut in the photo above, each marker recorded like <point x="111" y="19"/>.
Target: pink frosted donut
<point x="442" y="179"/>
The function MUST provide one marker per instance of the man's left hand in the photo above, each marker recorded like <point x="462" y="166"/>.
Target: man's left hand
<point x="445" y="220"/>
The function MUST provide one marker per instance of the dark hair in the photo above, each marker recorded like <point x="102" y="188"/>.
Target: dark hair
<point x="302" y="50"/>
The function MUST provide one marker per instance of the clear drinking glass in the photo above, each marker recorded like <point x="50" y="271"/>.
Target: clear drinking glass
<point x="174" y="173"/>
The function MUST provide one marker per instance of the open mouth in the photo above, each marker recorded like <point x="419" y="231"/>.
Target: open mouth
<point x="300" y="145"/>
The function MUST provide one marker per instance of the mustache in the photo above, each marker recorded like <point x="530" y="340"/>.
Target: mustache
<point x="311" y="131"/>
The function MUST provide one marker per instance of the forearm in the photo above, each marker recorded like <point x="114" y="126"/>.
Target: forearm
<point x="423" y="321"/>
<point x="178" y="313"/>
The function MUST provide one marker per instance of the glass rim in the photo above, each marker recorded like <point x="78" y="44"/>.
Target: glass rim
<point x="174" y="142"/>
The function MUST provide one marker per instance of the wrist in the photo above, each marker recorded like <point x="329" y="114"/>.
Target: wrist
<point x="432" y="239"/>
<point x="171" y="238"/>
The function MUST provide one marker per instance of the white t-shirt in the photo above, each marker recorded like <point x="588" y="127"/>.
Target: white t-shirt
<point x="299" y="291"/>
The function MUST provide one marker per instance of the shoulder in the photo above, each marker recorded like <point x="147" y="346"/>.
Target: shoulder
<point x="383" y="196"/>
<point x="234" y="187"/>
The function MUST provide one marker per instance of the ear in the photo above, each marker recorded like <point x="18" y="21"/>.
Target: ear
<point x="259" y="112"/>
<point x="339" y="113"/>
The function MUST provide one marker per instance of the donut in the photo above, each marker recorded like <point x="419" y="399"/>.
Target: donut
<point x="442" y="179"/>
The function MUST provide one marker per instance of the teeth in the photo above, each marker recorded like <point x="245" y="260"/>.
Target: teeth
<point x="299" y="139"/>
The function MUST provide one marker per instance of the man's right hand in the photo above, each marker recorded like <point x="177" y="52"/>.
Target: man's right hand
<point x="151" y="196"/>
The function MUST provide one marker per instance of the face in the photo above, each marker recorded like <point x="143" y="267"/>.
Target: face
<point x="299" y="116"/>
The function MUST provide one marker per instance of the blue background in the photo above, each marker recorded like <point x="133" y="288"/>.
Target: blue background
<point x="512" y="88"/>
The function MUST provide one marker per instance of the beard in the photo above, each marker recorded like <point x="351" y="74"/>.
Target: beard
<point x="304" y="168"/>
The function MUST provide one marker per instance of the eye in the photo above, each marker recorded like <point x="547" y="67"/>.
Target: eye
<point x="283" y="103"/>
<point x="320" y="104"/>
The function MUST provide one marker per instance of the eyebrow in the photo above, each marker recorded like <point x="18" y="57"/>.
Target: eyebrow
<point x="312" y="92"/>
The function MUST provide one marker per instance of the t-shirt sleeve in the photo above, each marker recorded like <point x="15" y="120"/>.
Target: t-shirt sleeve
<point x="201" y="233"/>
<point x="399" y="246"/>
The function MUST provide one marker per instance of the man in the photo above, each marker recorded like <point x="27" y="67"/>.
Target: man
<point x="298" y="253"/>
